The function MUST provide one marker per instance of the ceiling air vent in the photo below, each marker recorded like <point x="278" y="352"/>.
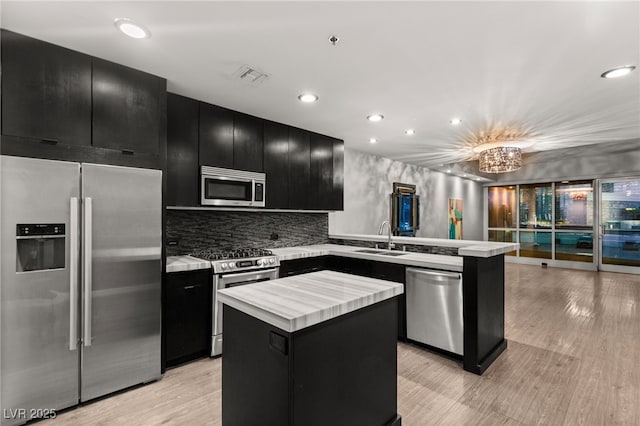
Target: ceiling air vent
<point x="251" y="75"/>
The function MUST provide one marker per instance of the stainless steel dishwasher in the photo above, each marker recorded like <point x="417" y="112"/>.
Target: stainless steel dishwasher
<point x="434" y="308"/>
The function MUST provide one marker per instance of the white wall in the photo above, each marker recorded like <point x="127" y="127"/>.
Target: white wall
<point x="368" y="181"/>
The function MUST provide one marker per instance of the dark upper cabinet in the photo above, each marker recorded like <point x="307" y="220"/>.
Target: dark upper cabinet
<point x="276" y="165"/>
<point x="299" y="168"/>
<point x="337" y="196"/>
<point x="247" y="143"/>
<point x="321" y="172"/>
<point x="127" y="108"/>
<point x="216" y="136"/>
<point x="46" y="91"/>
<point x="304" y="170"/>
<point x="183" y="175"/>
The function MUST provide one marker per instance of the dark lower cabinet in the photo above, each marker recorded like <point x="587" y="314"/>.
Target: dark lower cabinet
<point x="372" y="269"/>
<point x="216" y="136"/>
<point x="187" y="316"/>
<point x="299" y="169"/>
<point x="289" y="268"/>
<point x="128" y="107"/>
<point x="183" y="176"/>
<point x="46" y="91"/>
<point x="340" y="372"/>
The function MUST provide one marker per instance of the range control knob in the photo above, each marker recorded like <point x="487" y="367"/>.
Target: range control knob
<point x="272" y="260"/>
<point x="232" y="264"/>
<point x="223" y="265"/>
<point x="260" y="262"/>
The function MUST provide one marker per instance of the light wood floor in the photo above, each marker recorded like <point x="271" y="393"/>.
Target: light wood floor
<point x="573" y="358"/>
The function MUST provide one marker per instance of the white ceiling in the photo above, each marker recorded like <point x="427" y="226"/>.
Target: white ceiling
<point x="527" y="66"/>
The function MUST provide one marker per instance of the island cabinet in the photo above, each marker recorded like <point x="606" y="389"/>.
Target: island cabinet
<point x="366" y="268"/>
<point x="64" y="105"/>
<point x="329" y="357"/>
<point x="374" y="269"/>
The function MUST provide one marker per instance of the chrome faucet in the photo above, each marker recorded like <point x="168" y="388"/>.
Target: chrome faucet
<point x="390" y="244"/>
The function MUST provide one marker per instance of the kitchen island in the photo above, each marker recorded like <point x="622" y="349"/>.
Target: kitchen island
<point x="314" y="349"/>
<point x="480" y="262"/>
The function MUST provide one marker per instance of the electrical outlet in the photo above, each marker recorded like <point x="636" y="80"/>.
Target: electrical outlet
<point x="273" y="236"/>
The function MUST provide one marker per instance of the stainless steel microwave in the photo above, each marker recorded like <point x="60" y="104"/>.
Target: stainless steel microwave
<point x="227" y="187"/>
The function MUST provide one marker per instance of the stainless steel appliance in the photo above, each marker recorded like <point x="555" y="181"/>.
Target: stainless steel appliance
<point x="80" y="293"/>
<point x="232" y="268"/>
<point x="434" y="309"/>
<point x="226" y="187"/>
<point x="405" y="209"/>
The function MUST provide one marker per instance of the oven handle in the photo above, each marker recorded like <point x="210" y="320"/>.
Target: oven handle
<point x="248" y="276"/>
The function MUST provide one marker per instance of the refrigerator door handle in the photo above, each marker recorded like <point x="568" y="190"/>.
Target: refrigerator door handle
<point x="86" y="271"/>
<point x="73" y="274"/>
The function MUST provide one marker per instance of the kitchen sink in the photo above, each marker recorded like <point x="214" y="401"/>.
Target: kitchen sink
<point x="383" y="252"/>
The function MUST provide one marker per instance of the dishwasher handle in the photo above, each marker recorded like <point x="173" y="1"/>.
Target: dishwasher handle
<point x="437" y="275"/>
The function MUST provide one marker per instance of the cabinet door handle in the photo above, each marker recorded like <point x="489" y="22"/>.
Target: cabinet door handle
<point x="127" y="152"/>
<point x="189" y="287"/>
<point x="49" y="141"/>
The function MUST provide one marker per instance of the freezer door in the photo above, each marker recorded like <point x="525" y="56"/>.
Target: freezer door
<point x="122" y="232"/>
<point x="39" y="362"/>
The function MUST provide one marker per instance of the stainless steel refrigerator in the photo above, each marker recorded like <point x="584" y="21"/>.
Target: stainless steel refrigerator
<point x="80" y="292"/>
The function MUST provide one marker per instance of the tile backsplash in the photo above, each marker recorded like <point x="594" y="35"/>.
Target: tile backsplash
<point x="202" y="229"/>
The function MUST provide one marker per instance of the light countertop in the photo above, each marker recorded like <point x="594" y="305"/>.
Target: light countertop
<point x="297" y="302"/>
<point x="424" y="260"/>
<point x="465" y="247"/>
<point x="186" y="263"/>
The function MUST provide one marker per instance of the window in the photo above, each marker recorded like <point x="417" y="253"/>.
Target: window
<point x="553" y="220"/>
<point x="536" y="206"/>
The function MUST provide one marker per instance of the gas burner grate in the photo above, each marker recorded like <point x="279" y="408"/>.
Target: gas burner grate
<point x="213" y="254"/>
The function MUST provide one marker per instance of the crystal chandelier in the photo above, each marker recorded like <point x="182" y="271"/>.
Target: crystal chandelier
<point x="500" y="159"/>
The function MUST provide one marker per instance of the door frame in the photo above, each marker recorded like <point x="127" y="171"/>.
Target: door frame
<point x="600" y="227"/>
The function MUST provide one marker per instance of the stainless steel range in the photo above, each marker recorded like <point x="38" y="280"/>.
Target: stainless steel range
<point x="232" y="268"/>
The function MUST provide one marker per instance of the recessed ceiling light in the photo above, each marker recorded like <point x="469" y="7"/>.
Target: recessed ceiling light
<point x="464" y="175"/>
<point x="448" y="170"/>
<point x="373" y="140"/>
<point x="618" y="72"/>
<point x="409" y="132"/>
<point x="130" y="28"/>
<point x="455" y="121"/>
<point x="375" y="117"/>
<point x="477" y="178"/>
<point x="308" y="98"/>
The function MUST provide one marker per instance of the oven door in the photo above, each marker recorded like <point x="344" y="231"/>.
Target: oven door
<point x="222" y="281"/>
<point x="226" y="191"/>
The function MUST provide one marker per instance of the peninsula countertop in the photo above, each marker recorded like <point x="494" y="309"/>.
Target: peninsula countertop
<point x="465" y="247"/>
<point x="423" y="260"/>
<point x="294" y="303"/>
